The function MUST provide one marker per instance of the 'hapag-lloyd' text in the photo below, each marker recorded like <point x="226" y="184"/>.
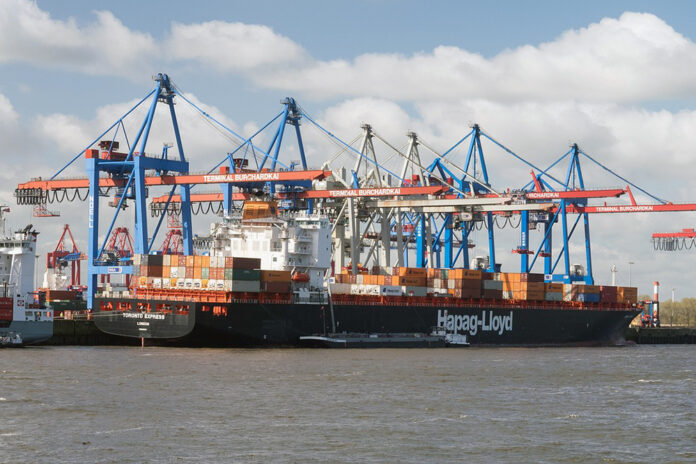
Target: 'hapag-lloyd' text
<point x="472" y="323"/>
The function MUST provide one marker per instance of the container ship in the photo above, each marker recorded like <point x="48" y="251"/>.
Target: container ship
<point x="265" y="279"/>
<point x="24" y="319"/>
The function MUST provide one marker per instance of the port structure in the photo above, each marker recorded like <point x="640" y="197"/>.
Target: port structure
<point x="65" y="254"/>
<point x="674" y="241"/>
<point x="422" y="211"/>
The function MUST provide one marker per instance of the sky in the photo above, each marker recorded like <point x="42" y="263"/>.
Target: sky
<point x="618" y="78"/>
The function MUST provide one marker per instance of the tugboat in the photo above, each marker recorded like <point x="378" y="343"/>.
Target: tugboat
<point x="24" y="319"/>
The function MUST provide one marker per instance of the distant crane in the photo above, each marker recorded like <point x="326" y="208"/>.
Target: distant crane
<point x="118" y="250"/>
<point x="675" y="241"/>
<point x="62" y="256"/>
<point x="173" y="243"/>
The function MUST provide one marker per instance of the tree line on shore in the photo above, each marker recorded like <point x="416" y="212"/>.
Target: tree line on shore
<point x="679" y="313"/>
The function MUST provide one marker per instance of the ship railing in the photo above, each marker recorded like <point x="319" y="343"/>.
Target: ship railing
<point x="427" y="301"/>
<point x="217" y="296"/>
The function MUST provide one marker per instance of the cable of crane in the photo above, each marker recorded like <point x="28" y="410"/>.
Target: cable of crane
<point x="200" y="110"/>
<point x="518" y="157"/>
<point x="424" y="169"/>
<point x="344" y="149"/>
<point x="622" y="178"/>
<point x="103" y="133"/>
<point x="447" y="160"/>
<point x="329" y="134"/>
<point x="204" y="118"/>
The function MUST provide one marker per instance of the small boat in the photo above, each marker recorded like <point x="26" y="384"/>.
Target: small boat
<point x="11" y="339"/>
<point x="374" y="340"/>
<point x="451" y="339"/>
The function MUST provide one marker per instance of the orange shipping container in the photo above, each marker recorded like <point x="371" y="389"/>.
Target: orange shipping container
<point x="190" y="261"/>
<point x="510" y="276"/>
<point x="197" y="272"/>
<point x="408" y="281"/>
<point x="553" y="288"/>
<point x="165" y="272"/>
<point x="412" y="271"/>
<point x="530" y="296"/>
<point x="587" y="288"/>
<point x="472" y="274"/>
<point x="537" y="287"/>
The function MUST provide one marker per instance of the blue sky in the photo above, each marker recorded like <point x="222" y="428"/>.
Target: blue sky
<point x="617" y="77"/>
<point x="329" y="30"/>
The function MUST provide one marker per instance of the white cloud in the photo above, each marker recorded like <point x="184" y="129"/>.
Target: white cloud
<point x="8" y="115"/>
<point x="105" y="46"/>
<point x="203" y="143"/>
<point x="634" y="58"/>
<point x="637" y="57"/>
<point x="233" y="46"/>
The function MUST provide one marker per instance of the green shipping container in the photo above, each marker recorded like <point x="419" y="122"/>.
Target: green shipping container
<point x="242" y="274"/>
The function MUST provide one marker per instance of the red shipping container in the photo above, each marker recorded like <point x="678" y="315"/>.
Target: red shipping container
<point x="492" y="294"/>
<point x="242" y="263"/>
<point x="276" y="287"/>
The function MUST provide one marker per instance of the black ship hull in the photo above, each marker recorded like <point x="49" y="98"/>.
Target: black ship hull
<point x="278" y="324"/>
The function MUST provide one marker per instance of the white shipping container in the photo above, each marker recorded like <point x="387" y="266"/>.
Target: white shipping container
<point x="157" y="282"/>
<point x="354" y="289"/>
<point x="197" y="284"/>
<point x="507" y="295"/>
<point x="414" y="291"/>
<point x="390" y="290"/>
<point x="359" y="279"/>
<point x="174" y="272"/>
<point x="166" y="283"/>
<point x="188" y="284"/>
<point x="371" y="289"/>
<point x="340" y="289"/>
<point x="251" y="286"/>
<point x="437" y="291"/>
<point x="166" y="260"/>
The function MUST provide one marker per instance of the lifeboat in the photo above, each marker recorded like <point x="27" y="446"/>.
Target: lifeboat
<point x="300" y="277"/>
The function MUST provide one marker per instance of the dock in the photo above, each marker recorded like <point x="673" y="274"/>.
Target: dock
<point x="661" y="335"/>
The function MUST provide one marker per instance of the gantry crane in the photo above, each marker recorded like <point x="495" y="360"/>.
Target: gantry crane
<point x="426" y="209"/>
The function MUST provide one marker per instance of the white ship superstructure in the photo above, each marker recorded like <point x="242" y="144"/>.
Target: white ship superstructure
<point x="297" y="242"/>
<point x="20" y="317"/>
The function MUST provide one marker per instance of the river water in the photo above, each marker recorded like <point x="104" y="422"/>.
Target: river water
<point x="122" y="405"/>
